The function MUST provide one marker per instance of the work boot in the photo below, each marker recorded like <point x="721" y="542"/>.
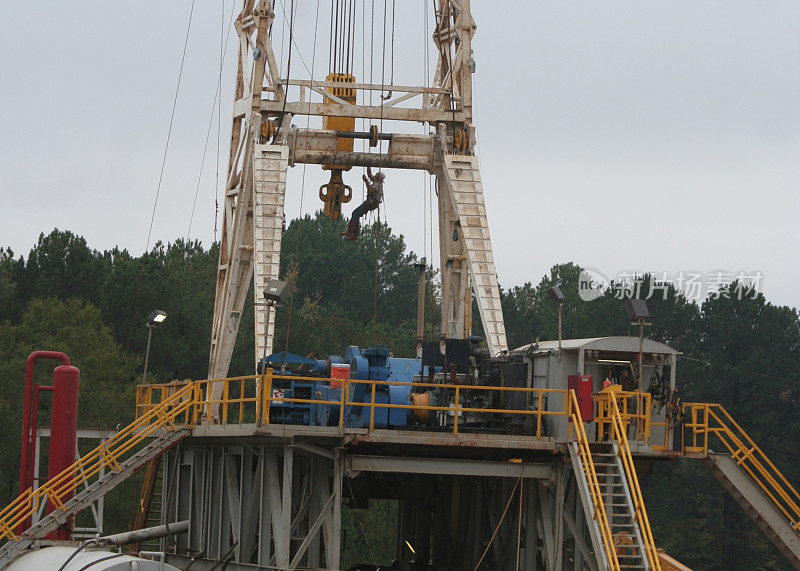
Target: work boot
<point x="352" y="230"/>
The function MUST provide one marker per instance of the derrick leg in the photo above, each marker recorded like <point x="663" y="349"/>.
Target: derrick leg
<point x="253" y="255"/>
<point x="269" y="192"/>
<point x="465" y="244"/>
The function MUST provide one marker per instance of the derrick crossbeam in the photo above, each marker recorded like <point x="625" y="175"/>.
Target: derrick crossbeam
<point x="374" y="112"/>
<point x="264" y="144"/>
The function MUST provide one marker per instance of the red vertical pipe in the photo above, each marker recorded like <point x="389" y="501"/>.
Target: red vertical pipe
<point x="28" y="430"/>
<point x="63" y="434"/>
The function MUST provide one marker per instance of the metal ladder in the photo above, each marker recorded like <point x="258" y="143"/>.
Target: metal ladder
<point x="149" y="513"/>
<point x="117" y="459"/>
<point x="269" y="191"/>
<point x="463" y="178"/>
<point x="619" y="506"/>
<point x="84" y="499"/>
<point x="746" y="473"/>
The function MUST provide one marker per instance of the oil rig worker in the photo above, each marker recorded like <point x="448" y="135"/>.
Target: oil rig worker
<point x="374" y="185"/>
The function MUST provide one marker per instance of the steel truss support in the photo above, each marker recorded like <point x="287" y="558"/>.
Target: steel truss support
<point x="280" y="506"/>
<point x="258" y="160"/>
<point x="274" y="507"/>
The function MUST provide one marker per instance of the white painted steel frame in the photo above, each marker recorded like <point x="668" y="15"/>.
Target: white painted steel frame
<point x="255" y="183"/>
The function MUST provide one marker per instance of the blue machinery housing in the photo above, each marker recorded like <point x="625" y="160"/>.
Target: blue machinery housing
<point x="373" y="363"/>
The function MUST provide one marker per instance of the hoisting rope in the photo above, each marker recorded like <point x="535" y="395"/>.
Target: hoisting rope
<point x="161" y="174"/>
<point x="380" y="162"/>
<point x="219" y="131"/>
<point x="341" y="55"/>
<point x="288" y="67"/>
<point x="208" y="131"/>
<point x="518" y="484"/>
<point x="302" y="191"/>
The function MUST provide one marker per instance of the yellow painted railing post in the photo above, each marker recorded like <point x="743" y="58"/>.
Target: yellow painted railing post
<point x="539" y="417"/>
<point x="455" y="414"/>
<point x="259" y="391"/>
<point x="372" y="410"/>
<point x="344" y="388"/>
<point x="267" y="396"/>
<point x="225" y="391"/>
<point x="633" y="483"/>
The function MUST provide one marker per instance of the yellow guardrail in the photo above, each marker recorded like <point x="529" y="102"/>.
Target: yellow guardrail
<point x="591" y="477"/>
<point x="634" y="408"/>
<point x="247" y="400"/>
<point x="176" y="408"/>
<point x="619" y="428"/>
<point x="703" y="420"/>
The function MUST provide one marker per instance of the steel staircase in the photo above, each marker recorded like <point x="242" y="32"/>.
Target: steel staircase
<point x="463" y="180"/>
<point x="618" y="517"/>
<point x="619" y="507"/>
<point x="756" y="504"/>
<point x="122" y="455"/>
<point x="747" y="474"/>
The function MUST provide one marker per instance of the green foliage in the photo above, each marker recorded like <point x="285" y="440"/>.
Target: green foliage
<point x="107" y="381"/>
<point x="740" y="351"/>
<point x="369" y="534"/>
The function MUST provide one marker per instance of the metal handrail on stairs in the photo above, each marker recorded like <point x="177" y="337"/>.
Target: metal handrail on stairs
<point x="109" y="455"/>
<point x="619" y="431"/>
<point x="705" y="419"/>
<point x="591" y="477"/>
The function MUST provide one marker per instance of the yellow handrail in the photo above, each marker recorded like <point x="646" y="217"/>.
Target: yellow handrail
<point x="634" y="409"/>
<point x="247" y="400"/>
<point x="594" y="486"/>
<point x="713" y="420"/>
<point x="619" y="428"/>
<point x="109" y="455"/>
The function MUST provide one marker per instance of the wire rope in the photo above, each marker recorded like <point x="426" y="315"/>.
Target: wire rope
<point x="161" y="174"/>
<point x="302" y="190"/>
<point x="208" y="133"/>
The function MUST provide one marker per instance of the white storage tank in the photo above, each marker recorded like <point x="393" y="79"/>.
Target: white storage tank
<point x="90" y="559"/>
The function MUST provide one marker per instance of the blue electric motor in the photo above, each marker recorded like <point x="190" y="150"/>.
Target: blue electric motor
<point x="373" y="363"/>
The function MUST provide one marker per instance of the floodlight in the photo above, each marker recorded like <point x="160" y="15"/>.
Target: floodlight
<point x="556" y="293"/>
<point x="157" y="316"/>
<point x="276" y="290"/>
<point x="637" y="309"/>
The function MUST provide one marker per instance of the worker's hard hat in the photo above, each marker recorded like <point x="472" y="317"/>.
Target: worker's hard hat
<point x="380" y="176"/>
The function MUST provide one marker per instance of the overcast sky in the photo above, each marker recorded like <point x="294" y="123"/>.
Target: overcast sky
<point x="624" y="136"/>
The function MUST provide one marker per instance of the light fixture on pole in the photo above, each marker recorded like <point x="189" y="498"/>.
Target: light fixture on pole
<point x="153" y="319"/>
<point x="558" y="296"/>
<point x="274" y="293"/>
<point x="638" y="315"/>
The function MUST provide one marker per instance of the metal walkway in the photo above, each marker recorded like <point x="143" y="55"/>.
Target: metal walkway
<point x="747" y="474"/>
<point x="122" y="455"/>
<point x="756" y="504"/>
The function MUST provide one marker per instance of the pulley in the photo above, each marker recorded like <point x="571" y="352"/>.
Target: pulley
<point x="268" y="130"/>
<point x="460" y="140"/>
<point x="336" y="192"/>
<point x="373" y="136"/>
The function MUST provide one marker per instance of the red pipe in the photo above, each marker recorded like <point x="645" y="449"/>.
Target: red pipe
<point x="29" y="415"/>
<point x="63" y="435"/>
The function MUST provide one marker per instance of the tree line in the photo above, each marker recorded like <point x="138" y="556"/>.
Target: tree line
<point x="740" y="351"/>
